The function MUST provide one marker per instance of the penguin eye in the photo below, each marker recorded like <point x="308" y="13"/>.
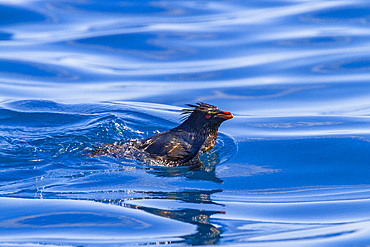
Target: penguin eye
<point x="208" y="116"/>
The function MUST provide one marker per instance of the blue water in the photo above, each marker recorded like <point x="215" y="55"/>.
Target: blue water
<point x="290" y="169"/>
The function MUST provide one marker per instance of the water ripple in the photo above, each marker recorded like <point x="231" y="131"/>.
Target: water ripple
<point x="291" y="167"/>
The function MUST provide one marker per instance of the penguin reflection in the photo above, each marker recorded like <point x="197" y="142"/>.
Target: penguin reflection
<point x="206" y="233"/>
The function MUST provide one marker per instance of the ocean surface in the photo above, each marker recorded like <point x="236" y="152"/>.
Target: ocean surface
<point x="292" y="168"/>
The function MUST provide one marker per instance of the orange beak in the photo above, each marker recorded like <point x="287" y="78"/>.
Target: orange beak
<point x="225" y="115"/>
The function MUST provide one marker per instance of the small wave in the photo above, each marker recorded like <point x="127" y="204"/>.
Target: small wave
<point x="52" y="139"/>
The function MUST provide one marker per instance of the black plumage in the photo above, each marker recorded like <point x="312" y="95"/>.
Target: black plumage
<point x="195" y="135"/>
